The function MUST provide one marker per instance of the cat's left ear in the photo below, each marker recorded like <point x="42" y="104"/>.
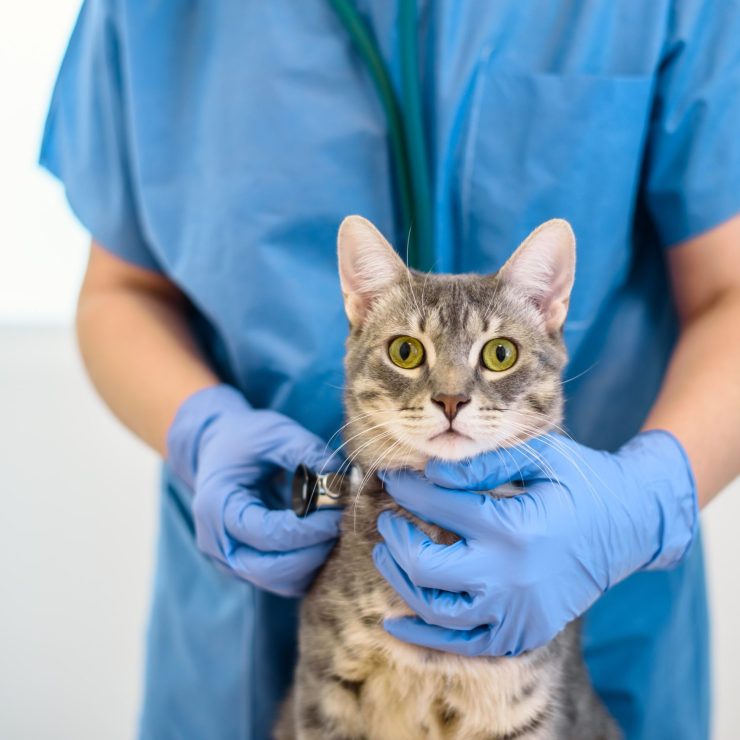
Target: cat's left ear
<point x="542" y="269"/>
<point x="368" y="265"/>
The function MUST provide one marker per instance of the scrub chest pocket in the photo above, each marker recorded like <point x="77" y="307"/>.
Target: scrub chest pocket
<point x="555" y="145"/>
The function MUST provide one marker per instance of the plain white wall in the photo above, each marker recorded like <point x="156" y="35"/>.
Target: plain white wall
<point x="78" y="524"/>
<point x="42" y="249"/>
<point x="77" y="535"/>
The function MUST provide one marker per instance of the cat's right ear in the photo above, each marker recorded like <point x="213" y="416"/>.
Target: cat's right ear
<point x="368" y="265"/>
<point x="542" y="269"/>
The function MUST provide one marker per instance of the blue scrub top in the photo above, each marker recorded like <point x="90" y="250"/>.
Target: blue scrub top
<point x="221" y="143"/>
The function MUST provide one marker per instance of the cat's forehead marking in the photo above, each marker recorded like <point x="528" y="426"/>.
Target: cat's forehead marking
<point x="454" y="317"/>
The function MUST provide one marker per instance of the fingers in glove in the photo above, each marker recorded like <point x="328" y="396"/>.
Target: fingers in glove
<point x="285" y="573"/>
<point x="470" y="643"/>
<point x="461" y="512"/>
<point x="250" y="522"/>
<point x="425" y="562"/>
<point x="493" y="469"/>
<point x="283" y="442"/>
<point x="434" y="606"/>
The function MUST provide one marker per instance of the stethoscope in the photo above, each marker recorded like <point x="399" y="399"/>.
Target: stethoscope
<point x="407" y="137"/>
<point x="405" y="124"/>
<point x="311" y="491"/>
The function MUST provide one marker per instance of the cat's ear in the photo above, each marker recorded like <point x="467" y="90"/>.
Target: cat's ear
<point x="543" y="268"/>
<point x="367" y="266"/>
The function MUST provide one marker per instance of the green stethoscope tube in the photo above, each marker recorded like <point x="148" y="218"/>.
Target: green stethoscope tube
<point x="416" y="146"/>
<point x="405" y="128"/>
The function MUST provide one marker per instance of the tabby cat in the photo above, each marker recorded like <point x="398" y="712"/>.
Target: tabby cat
<point x="494" y="345"/>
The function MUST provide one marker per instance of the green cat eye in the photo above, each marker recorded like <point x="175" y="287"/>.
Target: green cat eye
<point x="499" y="354"/>
<point x="406" y="352"/>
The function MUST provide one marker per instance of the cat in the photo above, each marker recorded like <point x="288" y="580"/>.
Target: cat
<point x="445" y="366"/>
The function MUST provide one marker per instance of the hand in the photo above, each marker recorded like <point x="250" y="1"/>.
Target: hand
<point x="528" y="565"/>
<point x="225" y="450"/>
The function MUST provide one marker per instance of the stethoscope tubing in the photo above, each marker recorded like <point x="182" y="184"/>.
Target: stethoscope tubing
<point x="406" y="129"/>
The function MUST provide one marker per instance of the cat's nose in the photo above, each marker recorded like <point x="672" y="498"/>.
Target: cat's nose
<point x="450" y="404"/>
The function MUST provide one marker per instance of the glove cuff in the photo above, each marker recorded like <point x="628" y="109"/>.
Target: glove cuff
<point x="674" y="497"/>
<point x="196" y="413"/>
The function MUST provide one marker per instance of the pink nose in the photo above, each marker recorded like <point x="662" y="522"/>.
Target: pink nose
<point x="450" y="404"/>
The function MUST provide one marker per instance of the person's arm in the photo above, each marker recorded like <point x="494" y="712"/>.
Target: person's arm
<point x="136" y="345"/>
<point x="137" y="348"/>
<point x="700" y="398"/>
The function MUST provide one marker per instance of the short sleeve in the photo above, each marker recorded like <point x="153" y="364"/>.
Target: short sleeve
<point x="86" y="141"/>
<point x="692" y="176"/>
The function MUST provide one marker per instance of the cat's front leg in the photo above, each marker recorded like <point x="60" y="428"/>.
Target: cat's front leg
<point x="327" y="708"/>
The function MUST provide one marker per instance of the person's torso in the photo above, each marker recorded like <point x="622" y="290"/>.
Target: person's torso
<point x="255" y="128"/>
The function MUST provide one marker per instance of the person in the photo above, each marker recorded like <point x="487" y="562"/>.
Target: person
<point x="212" y="149"/>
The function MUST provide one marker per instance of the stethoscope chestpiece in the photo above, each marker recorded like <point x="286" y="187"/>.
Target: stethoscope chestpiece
<point x="311" y="491"/>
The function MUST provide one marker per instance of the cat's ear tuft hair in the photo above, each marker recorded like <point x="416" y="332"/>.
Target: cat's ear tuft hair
<point x="368" y="264"/>
<point x="543" y="269"/>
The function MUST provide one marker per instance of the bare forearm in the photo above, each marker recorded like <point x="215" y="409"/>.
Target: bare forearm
<point x="138" y="351"/>
<point x="700" y="398"/>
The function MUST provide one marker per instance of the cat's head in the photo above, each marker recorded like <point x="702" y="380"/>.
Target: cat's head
<point x="450" y="366"/>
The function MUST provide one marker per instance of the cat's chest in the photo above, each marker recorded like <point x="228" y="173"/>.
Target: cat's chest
<point x="405" y="688"/>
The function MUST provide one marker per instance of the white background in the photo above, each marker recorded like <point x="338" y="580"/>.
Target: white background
<point x="78" y="493"/>
<point x="42" y="249"/>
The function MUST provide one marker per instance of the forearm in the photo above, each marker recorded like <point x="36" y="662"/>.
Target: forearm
<point x="137" y="347"/>
<point x="700" y="398"/>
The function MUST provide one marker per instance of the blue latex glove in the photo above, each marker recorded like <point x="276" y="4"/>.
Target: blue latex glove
<point x="528" y="565"/>
<point x="225" y="451"/>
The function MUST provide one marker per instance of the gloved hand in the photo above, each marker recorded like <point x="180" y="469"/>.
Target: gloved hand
<point x="225" y="450"/>
<point x="528" y="565"/>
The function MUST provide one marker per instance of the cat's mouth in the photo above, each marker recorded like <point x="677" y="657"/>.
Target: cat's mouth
<point x="449" y="434"/>
<point x="451" y="444"/>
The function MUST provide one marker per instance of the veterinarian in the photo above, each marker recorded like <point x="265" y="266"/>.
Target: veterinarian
<point x="212" y="149"/>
